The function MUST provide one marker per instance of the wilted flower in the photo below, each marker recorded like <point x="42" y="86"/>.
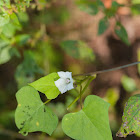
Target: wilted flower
<point x="65" y="82"/>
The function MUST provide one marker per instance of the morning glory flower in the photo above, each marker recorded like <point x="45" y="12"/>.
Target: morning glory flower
<point x="65" y="82"/>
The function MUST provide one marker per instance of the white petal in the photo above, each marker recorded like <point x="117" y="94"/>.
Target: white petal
<point x="61" y="85"/>
<point x="65" y="75"/>
<point x="60" y="82"/>
<point x="68" y="74"/>
<point x="62" y="74"/>
<point x="71" y="80"/>
<point x="63" y="89"/>
<point x="70" y="86"/>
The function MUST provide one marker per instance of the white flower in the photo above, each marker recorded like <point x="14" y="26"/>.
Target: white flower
<point x="65" y="82"/>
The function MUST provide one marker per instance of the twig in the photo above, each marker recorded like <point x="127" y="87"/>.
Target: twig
<point x="107" y="70"/>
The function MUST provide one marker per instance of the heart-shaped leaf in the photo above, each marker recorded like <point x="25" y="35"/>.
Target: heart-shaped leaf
<point x="91" y="123"/>
<point x="32" y="114"/>
<point x="47" y="86"/>
<point x="131" y="117"/>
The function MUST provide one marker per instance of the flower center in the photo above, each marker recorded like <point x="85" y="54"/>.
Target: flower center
<point x="67" y="80"/>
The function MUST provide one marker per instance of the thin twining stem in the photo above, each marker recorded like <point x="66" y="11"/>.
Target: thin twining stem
<point x="107" y="70"/>
<point x="77" y="98"/>
<point x="47" y="101"/>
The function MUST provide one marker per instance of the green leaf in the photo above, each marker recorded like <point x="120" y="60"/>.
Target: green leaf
<point x="135" y="2"/>
<point x="135" y="8"/>
<point x="23" y="17"/>
<point x="86" y="53"/>
<point x="1" y="3"/>
<point x="100" y="4"/>
<point x="48" y="51"/>
<point x="26" y="71"/>
<point x="116" y="5"/>
<point x="87" y="6"/>
<point x="91" y="123"/>
<point x="14" y="19"/>
<point x="47" y="86"/>
<point x="77" y="49"/>
<point x="7" y="3"/>
<point x="15" y="52"/>
<point x="4" y="19"/>
<point x="70" y="46"/>
<point x="32" y="114"/>
<point x="130" y="118"/>
<point x="6" y="51"/>
<point x="27" y="2"/>
<point x="8" y="30"/>
<point x="3" y="43"/>
<point x="103" y="25"/>
<point x="112" y="96"/>
<point x="22" y="39"/>
<point x="128" y="83"/>
<point x="121" y="33"/>
<point x="5" y="54"/>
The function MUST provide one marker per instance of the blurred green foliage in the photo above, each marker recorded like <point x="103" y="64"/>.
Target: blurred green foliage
<point x="78" y="50"/>
<point x="90" y="7"/>
<point x="25" y="72"/>
<point x="112" y="96"/>
<point x="121" y="32"/>
<point x="128" y="84"/>
<point x="103" y="25"/>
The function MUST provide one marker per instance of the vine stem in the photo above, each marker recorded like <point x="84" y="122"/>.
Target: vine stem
<point x="47" y="101"/>
<point x="107" y="70"/>
<point x="89" y="81"/>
